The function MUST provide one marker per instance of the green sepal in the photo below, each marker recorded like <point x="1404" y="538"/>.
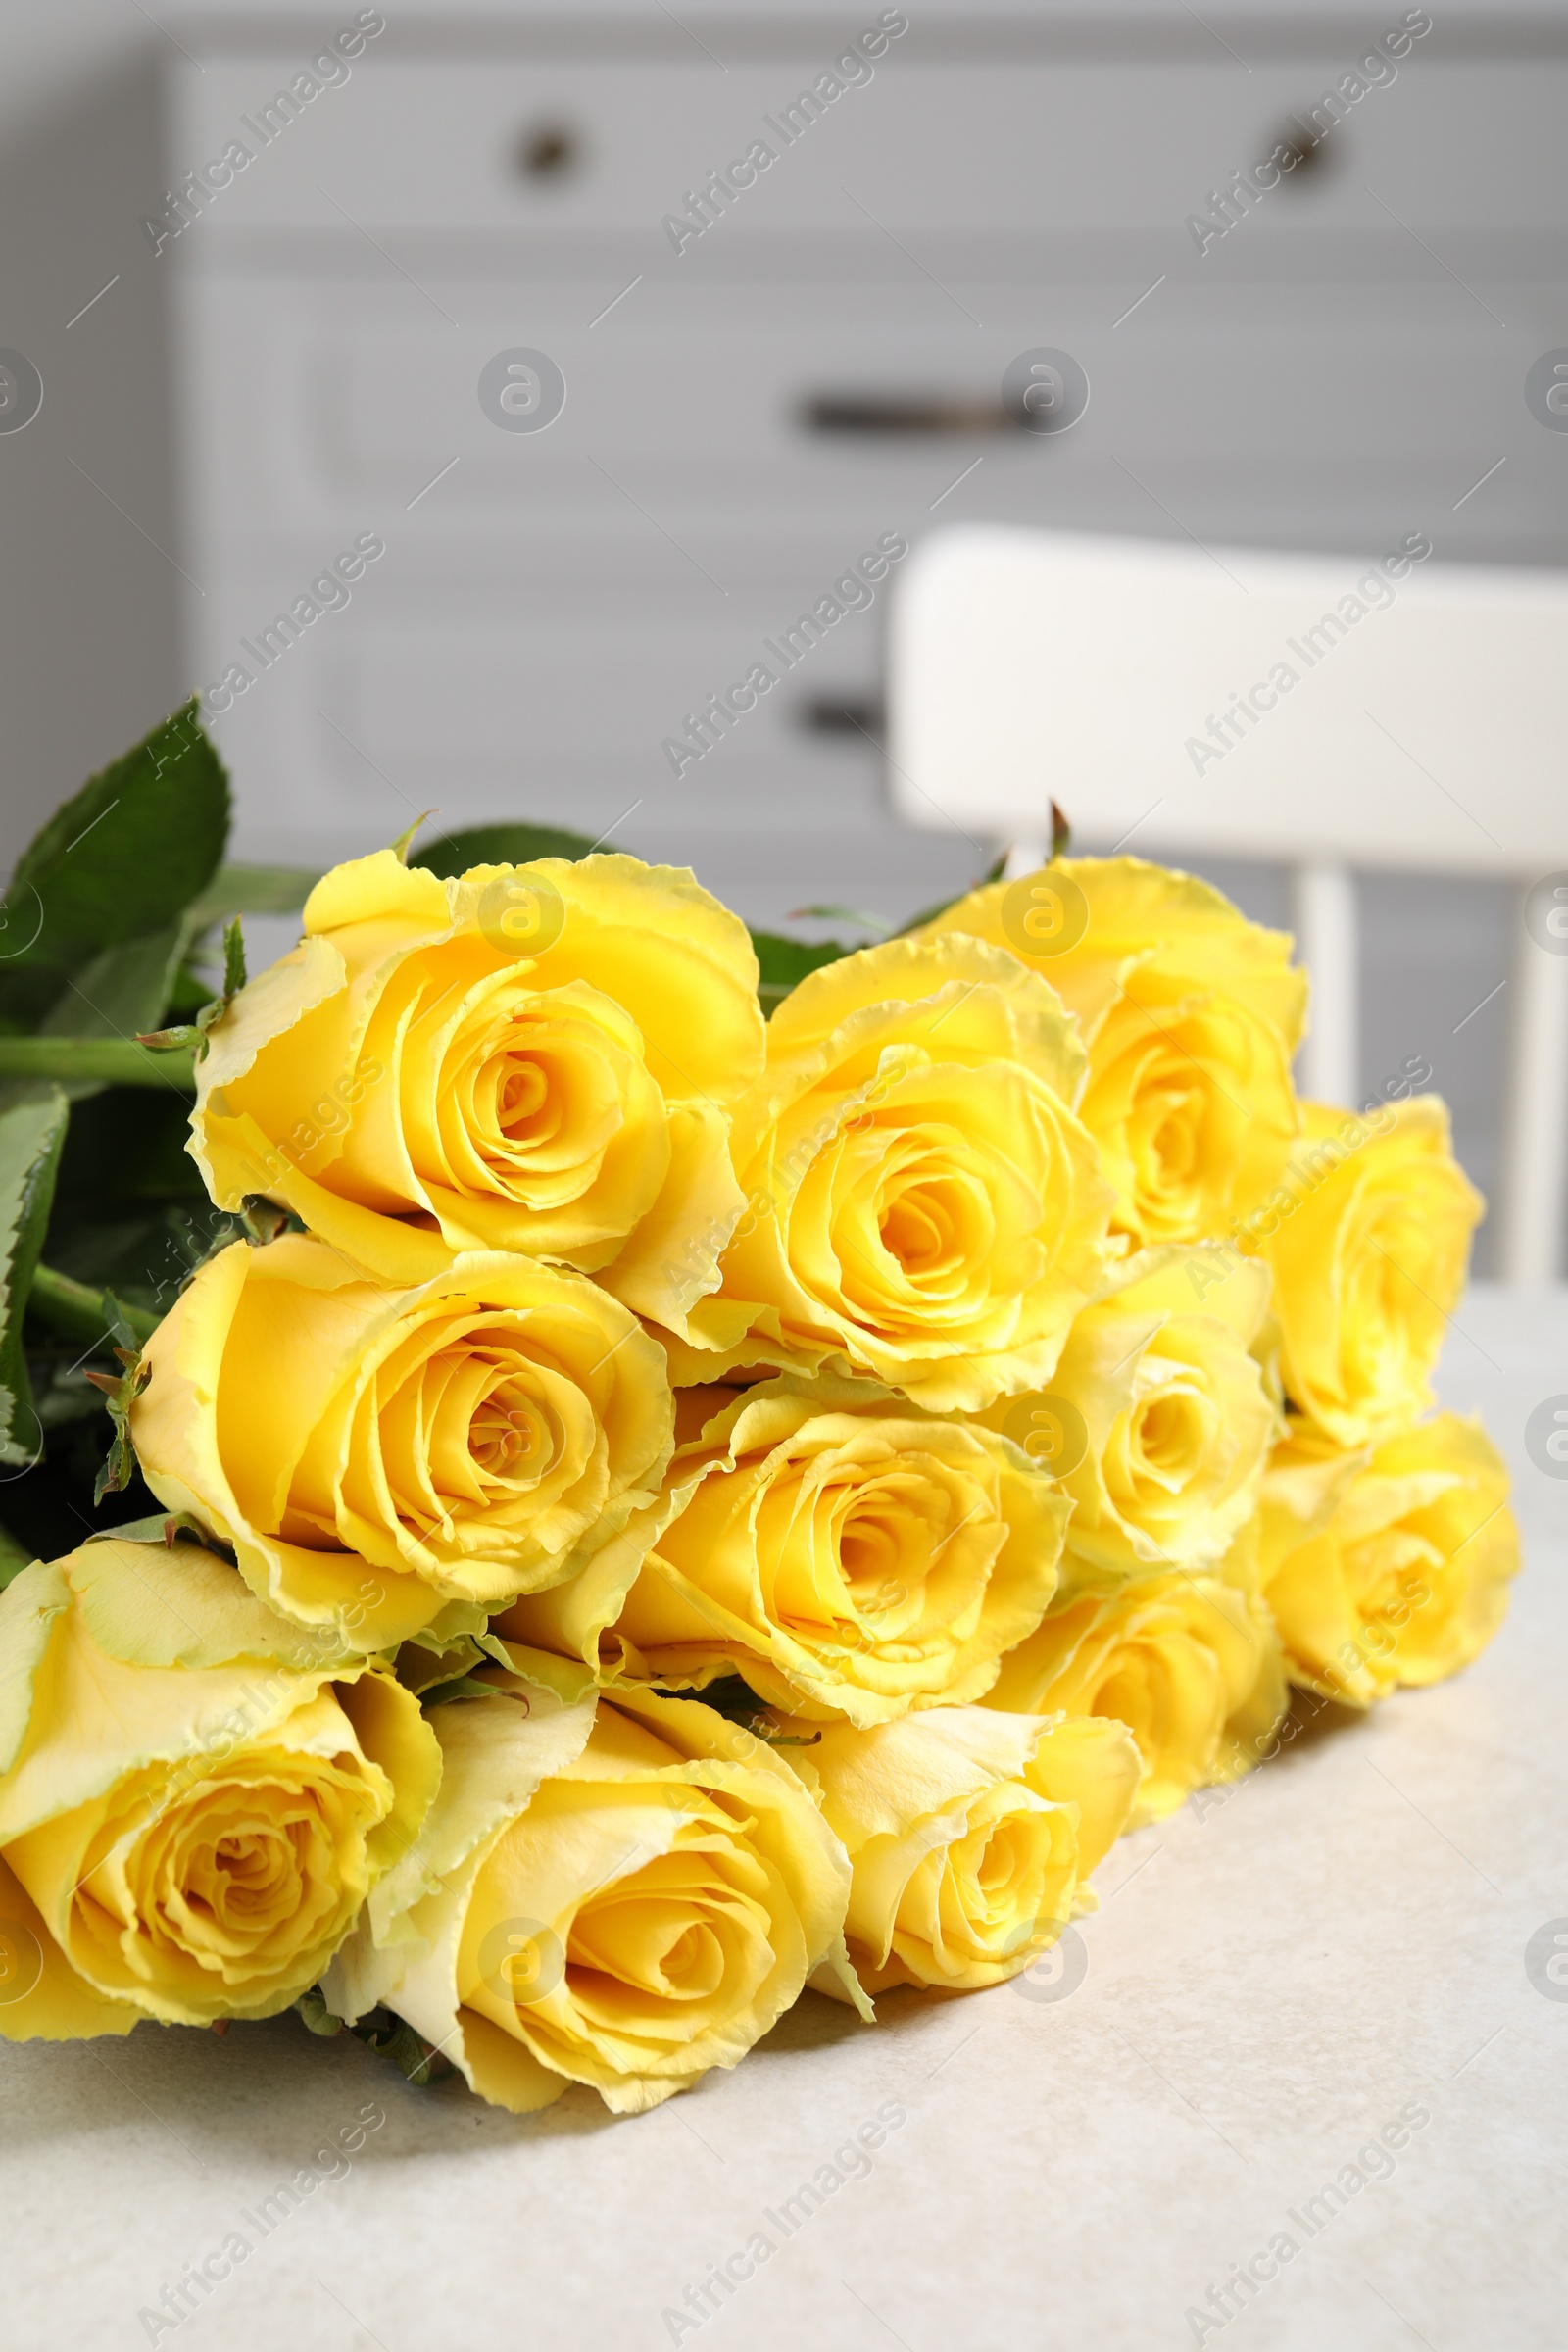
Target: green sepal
<point x="465" y="1685"/>
<point x="193" y="1034"/>
<point x="405" y="840"/>
<point x="389" y="2036"/>
<point x="165" y="1527"/>
<point x="312" y="2007"/>
<point x="120" y="1464"/>
<point x="732" y="1696"/>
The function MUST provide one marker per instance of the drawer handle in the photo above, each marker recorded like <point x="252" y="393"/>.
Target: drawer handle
<point x="842" y="715"/>
<point x="894" y="412"/>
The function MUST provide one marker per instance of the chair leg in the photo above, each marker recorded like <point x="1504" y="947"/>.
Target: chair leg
<point x="1535" y="1126"/>
<point x="1329" y="1067"/>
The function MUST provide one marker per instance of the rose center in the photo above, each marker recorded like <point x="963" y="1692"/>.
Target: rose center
<point x="919" y="1229"/>
<point x="520" y="1095"/>
<point x="504" y="1436"/>
<point x="1169" y="1434"/>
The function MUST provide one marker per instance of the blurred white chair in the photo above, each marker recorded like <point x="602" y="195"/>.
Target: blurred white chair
<point x="1316" y="711"/>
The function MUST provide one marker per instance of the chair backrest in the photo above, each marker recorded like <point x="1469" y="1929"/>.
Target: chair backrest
<point x="1323" y="712"/>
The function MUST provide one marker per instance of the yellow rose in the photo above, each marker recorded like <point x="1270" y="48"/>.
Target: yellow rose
<point x="970" y="1833"/>
<point x="1191" y="1016"/>
<point x="393" y="1462"/>
<point x="1190" y="1664"/>
<point x="1367" y="1235"/>
<point x="1391" y="1567"/>
<point x="619" y="1896"/>
<point x="1158" y="1422"/>
<point x="194" y="1802"/>
<point x="923" y="1205"/>
<point x="537" y="1058"/>
<point x="845" y="1552"/>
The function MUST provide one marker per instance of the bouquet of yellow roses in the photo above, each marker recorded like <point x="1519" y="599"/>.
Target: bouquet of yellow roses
<point x="651" y="1468"/>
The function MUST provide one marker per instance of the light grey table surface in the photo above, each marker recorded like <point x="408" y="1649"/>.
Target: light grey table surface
<point x="1268" y="1987"/>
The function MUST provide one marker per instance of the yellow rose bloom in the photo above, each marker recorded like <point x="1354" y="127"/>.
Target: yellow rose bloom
<point x="618" y="1895"/>
<point x="1389" y="1567"/>
<point x="923" y="1205"/>
<point x="1191" y="1016"/>
<point x="390" y="1462"/>
<point x="1367" y="1235"/>
<point x="1159" y="1421"/>
<point x="194" y="1803"/>
<point x="537" y="1058"/>
<point x="1190" y="1664"/>
<point x="845" y="1552"/>
<point x="970" y="1833"/>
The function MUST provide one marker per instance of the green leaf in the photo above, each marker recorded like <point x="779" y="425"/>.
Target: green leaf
<point x="119" y="992"/>
<point x="1060" y="832"/>
<point x="842" y="914"/>
<point x="31" y="1135"/>
<point x="453" y="854"/>
<point x="123" y="858"/>
<point x="784" y="962"/>
<point x="252" y="890"/>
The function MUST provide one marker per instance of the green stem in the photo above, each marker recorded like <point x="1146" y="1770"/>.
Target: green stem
<point x="78" y="1311"/>
<point x="111" y="1060"/>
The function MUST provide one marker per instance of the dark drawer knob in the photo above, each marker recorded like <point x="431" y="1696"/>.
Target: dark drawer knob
<point x="549" y="151"/>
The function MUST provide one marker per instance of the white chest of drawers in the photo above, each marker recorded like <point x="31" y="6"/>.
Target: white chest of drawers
<point x="1339" y="366"/>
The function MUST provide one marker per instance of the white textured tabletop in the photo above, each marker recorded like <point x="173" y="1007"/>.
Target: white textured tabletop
<point x="1274" y="1983"/>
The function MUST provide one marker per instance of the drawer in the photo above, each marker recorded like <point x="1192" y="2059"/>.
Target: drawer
<point x="1049" y="139"/>
<point x="681" y="459"/>
<point x="558" y="718"/>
